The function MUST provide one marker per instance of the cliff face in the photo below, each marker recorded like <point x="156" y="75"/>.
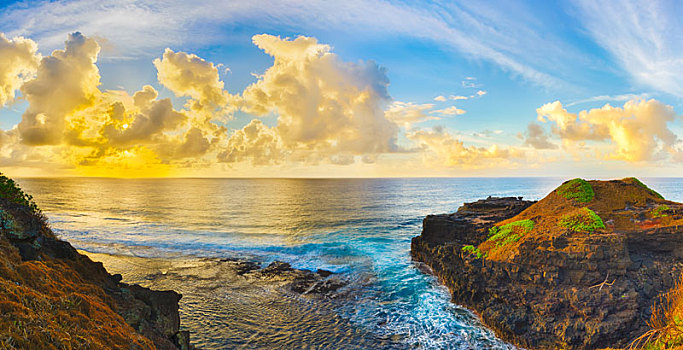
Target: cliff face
<point x="579" y="269"/>
<point x="52" y="297"/>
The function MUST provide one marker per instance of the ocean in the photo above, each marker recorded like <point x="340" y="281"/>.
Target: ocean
<point x="358" y="228"/>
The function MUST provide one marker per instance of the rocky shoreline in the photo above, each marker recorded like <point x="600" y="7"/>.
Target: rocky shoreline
<point x="551" y="285"/>
<point x="53" y="296"/>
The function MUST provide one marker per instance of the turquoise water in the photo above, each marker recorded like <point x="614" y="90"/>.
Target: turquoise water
<point x="359" y="228"/>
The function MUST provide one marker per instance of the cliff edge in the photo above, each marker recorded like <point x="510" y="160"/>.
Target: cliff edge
<point x="583" y="268"/>
<point x="52" y="297"/>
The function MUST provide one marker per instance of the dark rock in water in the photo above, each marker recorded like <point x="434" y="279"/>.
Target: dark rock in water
<point x="324" y="273"/>
<point x="321" y="282"/>
<point x="554" y="286"/>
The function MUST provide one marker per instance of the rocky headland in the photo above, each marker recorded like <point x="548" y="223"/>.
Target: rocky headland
<point x="594" y="264"/>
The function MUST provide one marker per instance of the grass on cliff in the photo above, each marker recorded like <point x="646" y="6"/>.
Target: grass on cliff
<point x="639" y="183"/>
<point x="659" y="211"/>
<point x="577" y="189"/>
<point x="10" y="191"/>
<point x="470" y="249"/>
<point x="508" y="233"/>
<point x="584" y="221"/>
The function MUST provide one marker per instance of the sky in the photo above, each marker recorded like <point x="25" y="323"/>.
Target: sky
<point x="359" y="88"/>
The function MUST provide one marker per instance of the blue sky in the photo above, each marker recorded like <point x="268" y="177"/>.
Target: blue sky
<point x="523" y="55"/>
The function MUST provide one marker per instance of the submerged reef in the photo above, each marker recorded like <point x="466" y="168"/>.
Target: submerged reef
<point x="595" y="264"/>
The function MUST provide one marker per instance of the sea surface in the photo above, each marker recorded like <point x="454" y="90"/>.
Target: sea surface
<point x="358" y="228"/>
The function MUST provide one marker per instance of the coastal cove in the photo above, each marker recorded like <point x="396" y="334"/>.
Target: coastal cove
<point x="168" y="233"/>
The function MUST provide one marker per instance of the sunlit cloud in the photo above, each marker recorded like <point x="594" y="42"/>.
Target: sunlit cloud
<point x="18" y="62"/>
<point x="441" y="148"/>
<point x="407" y="113"/>
<point x="449" y="111"/>
<point x="326" y="107"/>
<point x="638" y="131"/>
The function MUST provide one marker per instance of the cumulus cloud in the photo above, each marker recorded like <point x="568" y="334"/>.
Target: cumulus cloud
<point x="255" y="142"/>
<point x="537" y="137"/>
<point x="443" y="148"/>
<point x="408" y="113"/>
<point x="638" y="131"/>
<point x="18" y="62"/>
<point x="457" y="97"/>
<point x="325" y="107"/>
<point x="327" y="110"/>
<point x="449" y="111"/>
<point x="66" y="81"/>
<point x="440" y="98"/>
<point x="70" y="122"/>
<point x="189" y="75"/>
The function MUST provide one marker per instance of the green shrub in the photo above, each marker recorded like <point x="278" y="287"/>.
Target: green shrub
<point x="639" y="183"/>
<point x="659" y="211"/>
<point x="508" y="233"/>
<point x="10" y="191"/>
<point x="470" y="249"/>
<point x="578" y="189"/>
<point x="585" y="221"/>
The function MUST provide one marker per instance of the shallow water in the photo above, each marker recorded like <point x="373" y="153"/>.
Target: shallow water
<point x="360" y="228"/>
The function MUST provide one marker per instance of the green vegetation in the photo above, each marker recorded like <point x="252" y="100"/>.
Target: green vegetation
<point x="508" y="233"/>
<point x="659" y="211"/>
<point x="578" y="189"/>
<point x="470" y="249"/>
<point x="637" y="182"/>
<point x="10" y="191"/>
<point x="585" y="221"/>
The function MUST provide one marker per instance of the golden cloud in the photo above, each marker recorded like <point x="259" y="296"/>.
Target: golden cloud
<point x="18" y="62"/>
<point x="442" y="148"/>
<point x="326" y="108"/>
<point x="638" y="131"/>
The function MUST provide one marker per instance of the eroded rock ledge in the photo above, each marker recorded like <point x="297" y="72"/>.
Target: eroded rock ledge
<point x="550" y="282"/>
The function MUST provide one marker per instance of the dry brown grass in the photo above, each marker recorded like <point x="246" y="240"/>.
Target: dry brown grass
<point x="47" y="305"/>
<point x="666" y="322"/>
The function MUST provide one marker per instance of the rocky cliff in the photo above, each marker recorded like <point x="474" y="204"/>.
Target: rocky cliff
<point x="52" y="297"/>
<point x="579" y="269"/>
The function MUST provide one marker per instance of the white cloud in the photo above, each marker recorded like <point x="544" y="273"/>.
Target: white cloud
<point x="449" y="111"/>
<point x="18" y="62"/>
<point x="643" y="36"/>
<point x="440" y="98"/>
<point x="457" y="97"/>
<point x="605" y="98"/>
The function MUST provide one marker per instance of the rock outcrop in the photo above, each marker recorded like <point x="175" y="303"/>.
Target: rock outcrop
<point x="52" y="297"/>
<point x="579" y="269"/>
